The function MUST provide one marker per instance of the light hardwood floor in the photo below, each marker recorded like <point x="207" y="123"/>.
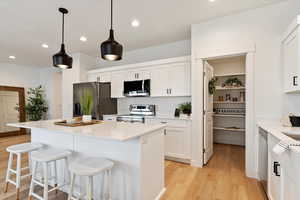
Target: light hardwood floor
<point x="222" y="179"/>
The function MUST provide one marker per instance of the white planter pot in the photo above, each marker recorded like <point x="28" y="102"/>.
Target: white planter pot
<point x="87" y="118"/>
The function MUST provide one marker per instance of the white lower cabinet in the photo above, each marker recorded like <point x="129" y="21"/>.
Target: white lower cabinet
<point x="275" y="170"/>
<point x="177" y="138"/>
<point x="176" y="142"/>
<point x="284" y="175"/>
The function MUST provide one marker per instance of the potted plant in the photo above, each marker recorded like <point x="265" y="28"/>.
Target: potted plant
<point x="86" y="104"/>
<point x="186" y="109"/>
<point x="36" y="105"/>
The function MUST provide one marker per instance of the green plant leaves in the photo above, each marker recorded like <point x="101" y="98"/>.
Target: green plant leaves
<point x="36" y="105"/>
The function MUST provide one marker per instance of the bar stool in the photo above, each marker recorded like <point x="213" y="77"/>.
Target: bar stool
<point x="18" y="150"/>
<point x="46" y="157"/>
<point x="90" y="167"/>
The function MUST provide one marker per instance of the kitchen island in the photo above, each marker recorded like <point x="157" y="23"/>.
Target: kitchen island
<point x="136" y="149"/>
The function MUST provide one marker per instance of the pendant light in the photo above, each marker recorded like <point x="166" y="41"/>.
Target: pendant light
<point x="110" y="49"/>
<point x="62" y="59"/>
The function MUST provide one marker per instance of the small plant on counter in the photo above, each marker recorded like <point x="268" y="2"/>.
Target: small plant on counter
<point x="36" y="105"/>
<point x="186" y="108"/>
<point x="86" y="103"/>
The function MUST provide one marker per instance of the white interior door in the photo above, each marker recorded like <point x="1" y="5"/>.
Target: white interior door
<point x="208" y="115"/>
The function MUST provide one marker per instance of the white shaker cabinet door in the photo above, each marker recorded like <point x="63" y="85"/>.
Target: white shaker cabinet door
<point x="138" y="75"/>
<point x="159" y="82"/>
<point x="175" y="142"/>
<point x="117" y="84"/>
<point x="179" y="80"/>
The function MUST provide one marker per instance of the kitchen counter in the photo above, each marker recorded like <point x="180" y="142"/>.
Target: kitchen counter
<point x="290" y="134"/>
<point x="136" y="149"/>
<point x="107" y="130"/>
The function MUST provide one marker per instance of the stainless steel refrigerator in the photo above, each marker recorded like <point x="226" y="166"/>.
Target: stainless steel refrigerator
<point x="103" y="104"/>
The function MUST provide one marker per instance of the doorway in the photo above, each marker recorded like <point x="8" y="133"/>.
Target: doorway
<point x="12" y="106"/>
<point x="224" y="102"/>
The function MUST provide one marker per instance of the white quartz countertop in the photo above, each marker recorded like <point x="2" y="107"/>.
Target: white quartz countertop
<point x="109" y="130"/>
<point x="281" y="132"/>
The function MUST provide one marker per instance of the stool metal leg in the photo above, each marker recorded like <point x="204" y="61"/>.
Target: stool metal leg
<point x="72" y="186"/>
<point x="18" y="175"/>
<point x="9" y="166"/>
<point x="34" y="169"/>
<point x="45" y="167"/>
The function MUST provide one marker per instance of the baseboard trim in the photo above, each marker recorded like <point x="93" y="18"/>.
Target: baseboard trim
<point x="162" y="192"/>
<point x="196" y="163"/>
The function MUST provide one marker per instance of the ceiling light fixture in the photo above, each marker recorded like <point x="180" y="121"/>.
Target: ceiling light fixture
<point x="212" y="0"/>
<point x="12" y="57"/>
<point x="62" y="59"/>
<point x="83" y="39"/>
<point x="110" y="49"/>
<point x="135" y="23"/>
<point x="45" y="46"/>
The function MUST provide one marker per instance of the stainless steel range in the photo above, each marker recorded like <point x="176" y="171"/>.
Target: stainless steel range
<point x="137" y="113"/>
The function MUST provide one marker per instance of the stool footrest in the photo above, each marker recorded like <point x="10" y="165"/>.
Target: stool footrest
<point x="37" y="196"/>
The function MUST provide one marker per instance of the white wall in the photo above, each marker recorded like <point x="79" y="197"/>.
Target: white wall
<point x="165" y="106"/>
<point x="18" y="75"/>
<point x="175" y="49"/>
<point x="81" y="64"/>
<point x="262" y="27"/>
<point x="51" y="81"/>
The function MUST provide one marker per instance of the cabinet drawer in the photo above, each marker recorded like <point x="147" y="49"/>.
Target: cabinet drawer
<point x="170" y="122"/>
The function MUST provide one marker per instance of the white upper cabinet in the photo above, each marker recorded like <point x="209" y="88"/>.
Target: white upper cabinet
<point x="291" y="58"/>
<point x="137" y="75"/>
<point x="173" y="80"/>
<point x="117" y="84"/>
<point x="169" y="77"/>
<point x="104" y="77"/>
<point x="159" y="82"/>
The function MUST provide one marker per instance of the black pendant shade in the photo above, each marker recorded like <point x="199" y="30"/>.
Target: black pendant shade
<point x="62" y="59"/>
<point x="111" y="50"/>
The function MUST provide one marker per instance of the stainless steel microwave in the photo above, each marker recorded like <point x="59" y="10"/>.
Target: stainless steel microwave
<point x="140" y="88"/>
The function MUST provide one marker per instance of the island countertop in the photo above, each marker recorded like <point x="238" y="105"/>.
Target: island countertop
<point x="109" y="130"/>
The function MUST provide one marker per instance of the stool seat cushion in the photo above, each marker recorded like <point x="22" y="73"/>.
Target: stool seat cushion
<point x="50" y="154"/>
<point x="24" y="148"/>
<point x="90" y="166"/>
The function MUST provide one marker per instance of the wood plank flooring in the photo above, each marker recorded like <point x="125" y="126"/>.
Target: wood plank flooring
<point x="222" y="179"/>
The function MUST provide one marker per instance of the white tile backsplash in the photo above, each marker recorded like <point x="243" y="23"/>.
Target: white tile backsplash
<point x="165" y="106"/>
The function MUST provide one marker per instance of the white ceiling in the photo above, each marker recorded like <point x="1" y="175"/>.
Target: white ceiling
<point x="25" y="25"/>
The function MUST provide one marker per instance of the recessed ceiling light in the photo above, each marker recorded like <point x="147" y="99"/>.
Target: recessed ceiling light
<point x="135" y="23"/>
<point x="212" y="0"/>
<point x="12" y="57"/>
<point x="83" y="39"/>
<point x="45" y="46"/>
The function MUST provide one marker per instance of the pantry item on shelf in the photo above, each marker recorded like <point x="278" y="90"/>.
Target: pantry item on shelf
<point x="234" y="99"/>
<point x="228" y="97"/>
<point x="221" y="98"/>
<point x="233" y="82"/>
<point x="242" y="96"/>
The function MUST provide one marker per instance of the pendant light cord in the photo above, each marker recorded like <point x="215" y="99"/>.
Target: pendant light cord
<point x="63" y="28"/>
<point x="111" y="14"/>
